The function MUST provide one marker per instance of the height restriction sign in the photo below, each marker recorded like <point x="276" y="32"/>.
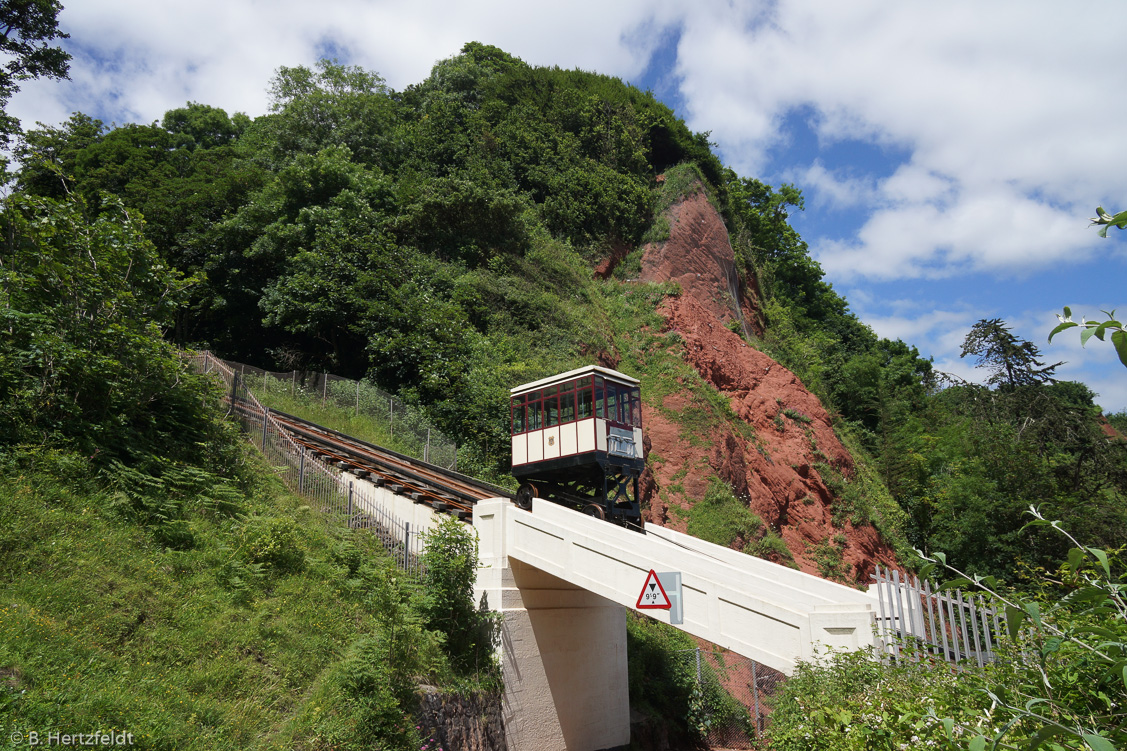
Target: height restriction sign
<point x="653" y="594"/>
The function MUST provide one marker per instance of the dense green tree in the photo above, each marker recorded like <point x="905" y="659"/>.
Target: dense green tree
<point x="882" y="385"/>
<point x="335" y="105"/>
<point x="1011" y="361"/>
<point x="48" y="154"/>
<point x="27" y="29"/>
<point x="83" y="364"/>
<point x="207" y="127"/>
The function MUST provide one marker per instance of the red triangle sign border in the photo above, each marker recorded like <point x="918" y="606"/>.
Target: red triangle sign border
<point x="664" y="604"/>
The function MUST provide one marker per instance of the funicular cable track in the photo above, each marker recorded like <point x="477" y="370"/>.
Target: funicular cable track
<point x="443" y="489"/>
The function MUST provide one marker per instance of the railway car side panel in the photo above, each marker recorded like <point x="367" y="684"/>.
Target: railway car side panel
<point x="536" y="446"/>
<point x="600" y="434"/>
<point x="552" y="442"/>
<point x="586" y="436"/>
<point x="569" y="443"/>
<point x="520" y="449"/>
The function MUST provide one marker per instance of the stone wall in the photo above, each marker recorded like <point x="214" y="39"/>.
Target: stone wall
<point x="453" y="722"/>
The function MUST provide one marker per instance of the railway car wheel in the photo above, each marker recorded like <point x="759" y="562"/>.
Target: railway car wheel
<point x="595" y="510"/>
<point x="525" y="493"/>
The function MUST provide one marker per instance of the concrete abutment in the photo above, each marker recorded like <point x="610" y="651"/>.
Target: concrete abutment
<point x="563" y="656"/>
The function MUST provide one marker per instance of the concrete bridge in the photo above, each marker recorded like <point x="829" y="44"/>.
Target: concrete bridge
<point x="563" y="582"/>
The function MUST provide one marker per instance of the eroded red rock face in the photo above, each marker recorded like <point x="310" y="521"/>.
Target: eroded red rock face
<point x="699" y="257"/>
<point x="774" y="471"/>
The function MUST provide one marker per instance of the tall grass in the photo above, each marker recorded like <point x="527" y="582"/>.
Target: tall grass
<point x="237" y="637"/>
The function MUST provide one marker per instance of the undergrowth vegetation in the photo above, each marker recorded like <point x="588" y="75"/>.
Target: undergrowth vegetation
<point x="665" y="684"/>
<point x="197" y="614"/>
<point x="721" y="518"/>
<point x="1057" y="680"/>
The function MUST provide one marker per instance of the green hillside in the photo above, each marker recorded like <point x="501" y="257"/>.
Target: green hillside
<point x="247" y="622"/>
<point x="440" y="240"/>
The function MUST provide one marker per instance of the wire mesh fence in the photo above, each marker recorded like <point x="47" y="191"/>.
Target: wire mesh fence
<point x="732" y="696"/>
<point x="386" y="419"/>
<point x="330" y="489"/>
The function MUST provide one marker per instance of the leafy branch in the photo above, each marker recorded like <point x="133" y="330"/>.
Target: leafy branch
<point x="1105" y="220"/>
<point x="1053" y="691"/>
<point x="1099" y="329"/>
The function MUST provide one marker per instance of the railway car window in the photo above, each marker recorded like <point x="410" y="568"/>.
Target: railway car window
<point x="518" y="415"/>
<point x="567" y="407"/>
<point x="612" y="403"/>
<point x="551" y="411"/>
<point x="636" y="405"/>
<point x="586" y="401"/>
<point x="535" y="421"/>
<point x="600" y="397"/>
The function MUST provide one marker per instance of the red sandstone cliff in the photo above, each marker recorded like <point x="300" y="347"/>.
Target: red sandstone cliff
<point x="774" y="474"/>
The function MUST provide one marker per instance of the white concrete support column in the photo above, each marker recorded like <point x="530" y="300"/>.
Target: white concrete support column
<point x="563" y="650"/>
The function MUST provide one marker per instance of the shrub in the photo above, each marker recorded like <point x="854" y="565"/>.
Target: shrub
<point x="450" y="566"/>
<point x="1059" y="680"/>
<point x="273" y="542"/>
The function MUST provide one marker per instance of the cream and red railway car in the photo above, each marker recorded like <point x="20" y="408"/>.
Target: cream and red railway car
<point x="577" y="440"/>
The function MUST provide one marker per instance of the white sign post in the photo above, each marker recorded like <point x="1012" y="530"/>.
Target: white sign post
<point x="671" y="583"/>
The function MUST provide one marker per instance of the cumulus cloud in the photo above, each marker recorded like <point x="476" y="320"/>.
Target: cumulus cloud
<point x="1002" y="106"/>
<point x="992" y="229"/>
<point x="834" y="190"/>
<point x="134" y="60"/>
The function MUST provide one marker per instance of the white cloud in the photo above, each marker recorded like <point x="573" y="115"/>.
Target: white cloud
<point x="1004" y="107"/>
<point x="832" y="190"/>
<point x="935" y="326"/>
<point x="136" y="59"/>
<point x="993" y="229"/>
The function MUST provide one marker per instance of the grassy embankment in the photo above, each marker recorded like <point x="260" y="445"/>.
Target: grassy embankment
<point x="249" y="622"/>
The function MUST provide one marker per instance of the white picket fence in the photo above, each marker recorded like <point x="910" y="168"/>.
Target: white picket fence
<point x="916" y="621"/>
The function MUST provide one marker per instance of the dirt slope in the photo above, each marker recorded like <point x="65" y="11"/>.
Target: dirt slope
<point x="773" y="471"/>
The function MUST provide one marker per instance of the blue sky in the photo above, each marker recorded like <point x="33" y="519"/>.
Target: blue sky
<point x="950" y="154"/>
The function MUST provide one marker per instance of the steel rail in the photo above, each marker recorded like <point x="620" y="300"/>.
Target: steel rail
<point x="444" y="489"/>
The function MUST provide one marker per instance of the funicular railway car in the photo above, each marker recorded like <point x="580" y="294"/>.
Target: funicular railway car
<point x="577" y="441"/>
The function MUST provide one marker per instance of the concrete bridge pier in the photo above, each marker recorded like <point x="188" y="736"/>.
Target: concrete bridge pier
<point x="563" y="651"/>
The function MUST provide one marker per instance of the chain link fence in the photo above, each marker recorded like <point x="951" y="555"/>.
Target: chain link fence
<point x="387" y="419"/>
<point x="732" y="696"/>
<point x="327" y="486"/>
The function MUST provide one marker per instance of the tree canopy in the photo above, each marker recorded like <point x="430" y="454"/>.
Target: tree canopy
<point x="1011" y="361"/>
<point x="27" y="28"/>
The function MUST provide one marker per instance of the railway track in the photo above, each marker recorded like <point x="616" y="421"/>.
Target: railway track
<point x="443" y="489"/>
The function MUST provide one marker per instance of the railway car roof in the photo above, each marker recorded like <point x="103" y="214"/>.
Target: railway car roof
<point x="577" y="373"/>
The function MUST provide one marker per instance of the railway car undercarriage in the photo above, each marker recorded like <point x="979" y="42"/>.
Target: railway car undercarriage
<point x="605" y="490"/>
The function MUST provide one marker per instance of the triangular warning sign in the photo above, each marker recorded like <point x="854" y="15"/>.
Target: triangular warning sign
<point x="653" y="594"/>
